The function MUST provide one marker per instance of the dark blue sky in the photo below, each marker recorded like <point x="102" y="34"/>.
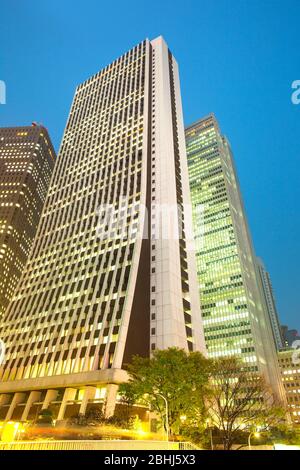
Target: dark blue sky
<point x="237" y="58"/>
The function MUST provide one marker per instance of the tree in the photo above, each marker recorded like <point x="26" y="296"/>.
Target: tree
<point x="93" y="417"/>
<point x="125" y="412"/>
<point x="240" y="400"/>
<point x="45" y="418"/>
<point x="173" y="376"/>
<point x="77" y="420"/>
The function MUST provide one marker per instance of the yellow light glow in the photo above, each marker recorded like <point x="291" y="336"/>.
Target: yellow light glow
<point x="9" y="431"/>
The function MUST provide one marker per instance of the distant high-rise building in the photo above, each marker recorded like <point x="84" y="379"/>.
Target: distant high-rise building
<point x="289" y="363"/>
<point x="26" y="162"/>
<point x="233" y="309"/>
<point x="289" y="336"/>
<point x="90" y="298"/>
<point x="271" y="304"/>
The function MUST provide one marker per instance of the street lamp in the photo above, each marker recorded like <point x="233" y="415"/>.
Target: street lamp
<point x="167" y="412"/>
<point x="255" y="434"/>
<point x="210" y="434"/>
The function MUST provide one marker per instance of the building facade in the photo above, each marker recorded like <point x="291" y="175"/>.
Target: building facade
<point x="271" y="304"/>
<point x="233" y="309"/>
<point x="289" y="363"/>
<point x="91" y="297"/>
<point x="26" y="163"/>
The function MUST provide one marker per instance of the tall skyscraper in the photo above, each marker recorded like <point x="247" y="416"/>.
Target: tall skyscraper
<point x="271" y="304"/>
<point x="26" y="162"/>
<point x="233" y="310"/>
<point x="90" y="298"/>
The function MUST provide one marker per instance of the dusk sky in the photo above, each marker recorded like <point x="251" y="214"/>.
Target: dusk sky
<point x="237" y="58"/>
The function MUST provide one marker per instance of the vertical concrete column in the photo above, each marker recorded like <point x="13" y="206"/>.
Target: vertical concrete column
<point x="68" y="395"/>
<point x="18" y="398"/>
<point x="111" y="395"/>
<point x="4" y="399"/>
<point x="89" y="394"/>
<point x="50" y="396"/>
<point x="34" y="396"/>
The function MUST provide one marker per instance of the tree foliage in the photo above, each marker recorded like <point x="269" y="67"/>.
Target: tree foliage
<point x="240" y="400"/>
<point x="180" y="377"/>
<point x="93" y="417"/>
<point x="45" y="417"/>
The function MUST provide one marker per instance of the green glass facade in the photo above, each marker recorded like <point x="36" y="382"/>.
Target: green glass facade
<point x="232" y="305"/>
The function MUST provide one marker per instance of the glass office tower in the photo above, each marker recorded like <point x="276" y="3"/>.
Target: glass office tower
<point x="232" y="303"/>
